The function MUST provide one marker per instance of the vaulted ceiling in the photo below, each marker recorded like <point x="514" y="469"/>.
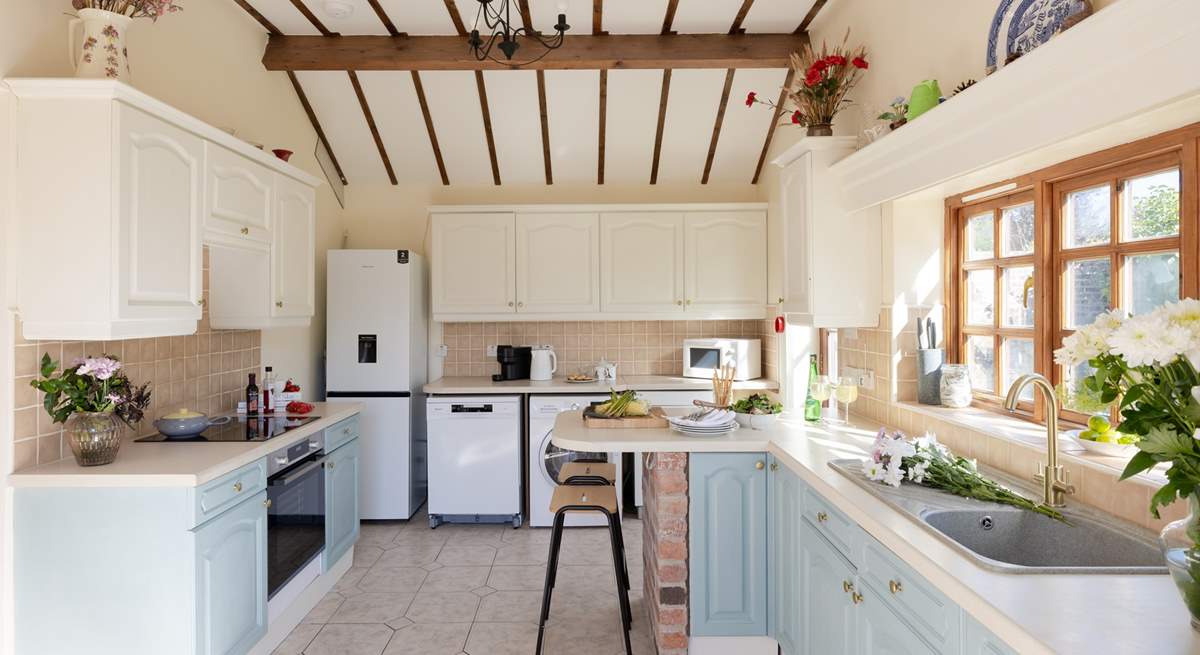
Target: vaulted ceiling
<point x="389" y="115"/>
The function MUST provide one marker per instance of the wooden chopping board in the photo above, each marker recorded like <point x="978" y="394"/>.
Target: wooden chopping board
<point x="657" y="419"/>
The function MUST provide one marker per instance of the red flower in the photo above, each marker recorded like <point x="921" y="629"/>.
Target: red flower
<point x="813" y="78"/>
<point x="751" y="98"/>
<point x="836" y="60"/>
<point x="859" y="62"/>
<point x="818" y="66"/>
<point x="797" y="117"/>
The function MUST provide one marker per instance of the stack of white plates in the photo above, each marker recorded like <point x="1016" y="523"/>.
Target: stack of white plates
<point x="714" y="423"/>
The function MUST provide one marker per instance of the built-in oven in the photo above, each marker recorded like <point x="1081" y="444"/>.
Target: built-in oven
<point x="296" y="512"/>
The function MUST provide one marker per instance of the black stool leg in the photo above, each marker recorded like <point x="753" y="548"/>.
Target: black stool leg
<point x="614" y="527"/>
<point x="624" y="562"/>
<point x="551" y="574"/>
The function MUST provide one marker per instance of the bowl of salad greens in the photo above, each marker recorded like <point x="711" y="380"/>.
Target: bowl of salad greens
<point x="757" y="412"/>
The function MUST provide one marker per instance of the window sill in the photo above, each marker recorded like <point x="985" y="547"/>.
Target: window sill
<point x="1015" y="430"/>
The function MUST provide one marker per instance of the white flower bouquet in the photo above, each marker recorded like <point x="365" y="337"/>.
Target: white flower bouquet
<point x="926" y="462"/>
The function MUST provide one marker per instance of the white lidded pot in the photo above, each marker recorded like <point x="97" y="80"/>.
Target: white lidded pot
<point x="543" y="363"/>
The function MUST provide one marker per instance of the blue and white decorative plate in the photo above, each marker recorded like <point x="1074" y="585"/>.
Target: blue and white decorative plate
<point x="1022" y="25"/>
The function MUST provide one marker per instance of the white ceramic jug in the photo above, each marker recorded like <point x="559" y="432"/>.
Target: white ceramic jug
<point x="543" y="364"/>
<point x="101" y="53"/>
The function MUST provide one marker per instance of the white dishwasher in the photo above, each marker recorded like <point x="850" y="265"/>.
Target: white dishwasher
<point x="474" y="459"/>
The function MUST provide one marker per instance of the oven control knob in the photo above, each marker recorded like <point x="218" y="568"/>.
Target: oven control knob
<point x="574" y="406"/>
<point x="281" y="460"/>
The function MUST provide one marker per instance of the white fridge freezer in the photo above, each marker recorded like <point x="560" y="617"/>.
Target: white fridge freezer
<point x="375" y="350"/>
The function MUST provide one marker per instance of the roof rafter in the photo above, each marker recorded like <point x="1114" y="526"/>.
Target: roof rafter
<point x="385" y="19"/>
<point x="433" y="140"/>
<point x="808" y="18"/>
<point x="775" y="115"/>
<point x="734" y="28"/>
<point x="485" y="109"/>
<point x="312" y="18"/>
<point x="366" y="110"/>
<point x="312" y="117"/>
<point x="254" y="13"/>
<point x="527" y="23"/>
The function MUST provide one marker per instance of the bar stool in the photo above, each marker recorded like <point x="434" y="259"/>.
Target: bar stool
<point x="586" y="498"/>
<point x="583" y="472"/>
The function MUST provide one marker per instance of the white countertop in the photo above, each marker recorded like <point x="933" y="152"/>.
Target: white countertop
<point x="485" y="385"/>
<point x="164" y="464"/>
<point x="1033" y="613"/>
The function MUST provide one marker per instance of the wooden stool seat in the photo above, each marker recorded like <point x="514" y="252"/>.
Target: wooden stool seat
<point x="588" y="469"/>
<point x="590" y="498"/>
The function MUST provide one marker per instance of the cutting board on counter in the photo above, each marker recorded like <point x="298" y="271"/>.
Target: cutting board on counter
<point x="657" y="419"/>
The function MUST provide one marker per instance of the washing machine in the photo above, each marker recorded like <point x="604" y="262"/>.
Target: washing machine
<point x="546" y="459"/>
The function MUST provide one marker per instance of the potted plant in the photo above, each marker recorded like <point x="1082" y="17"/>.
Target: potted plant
<point x="821" y="82"/>
<point x="102" y="53"/>
<point x="89" y="397"/>
<point x="757" y="411"/>
<point x="1148" y="365"/>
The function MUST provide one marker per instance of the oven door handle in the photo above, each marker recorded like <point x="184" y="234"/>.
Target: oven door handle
<point x="298" y="473"/>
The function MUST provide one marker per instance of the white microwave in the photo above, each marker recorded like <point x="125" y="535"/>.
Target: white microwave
<point x="703" y="357"/>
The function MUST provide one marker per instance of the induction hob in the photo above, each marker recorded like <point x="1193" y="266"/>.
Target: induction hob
<point x="242" y="428"/>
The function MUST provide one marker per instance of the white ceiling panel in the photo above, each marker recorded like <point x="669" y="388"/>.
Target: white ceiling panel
<point x="284" y="15"/>
<point x="705" y="16"/>
<point x="632" y="119"/>
<point x="333" y="100"/>
<point x="423" y="17"/>
<point x="776" y="16"/>
<point x="573" y="107"/>
<point x="691" y="112"/>
<point x="745" y="128"/>
<point x="635" y="16"/>
<point x="516" y="126"/>
<point x="454" y="105"/>
<point x="545" y="14"/>
<point x="393" y="101"/>
<point x="362" y="21"/>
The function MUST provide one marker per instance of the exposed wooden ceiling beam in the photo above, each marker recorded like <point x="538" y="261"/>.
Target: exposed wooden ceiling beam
<point x="433" y="140"/>
<point x="487" y="126"/>
<point x="603" y="126"/>
<point x="366" y="110"/>
<point x="598" y="17"/>
<point x="775" y="115"/>
<point x="579" y="52"/>
<point x="254" y="13"/>
<point x="669" y="18"/>
<point x="741" y="17"/>
<point x="716" y="134"/>
<point x="456" y="18"/>
<point x="385" y="19"/>
<point x="808" y="18"/>
<point x="526" y="17"/>
<point x="312" y="117"/>
<point x="541" y="86"/>
<point x="662" y="119"/>
<point x="312" y="18"/>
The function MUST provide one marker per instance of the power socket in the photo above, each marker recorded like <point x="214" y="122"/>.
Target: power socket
<point x="865" y="376"/>
<point x="491" y="350"/>
<point x="443" y="350"/>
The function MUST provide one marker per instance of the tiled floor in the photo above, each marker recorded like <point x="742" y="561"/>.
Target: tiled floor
<point x="475" y="590"/>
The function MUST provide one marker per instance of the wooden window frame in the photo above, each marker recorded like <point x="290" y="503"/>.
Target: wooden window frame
<point x="1180" y="147"/>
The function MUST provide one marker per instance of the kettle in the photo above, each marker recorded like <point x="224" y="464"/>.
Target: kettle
<point x="543" y="363"/>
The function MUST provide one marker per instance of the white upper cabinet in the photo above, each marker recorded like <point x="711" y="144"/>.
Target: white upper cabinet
<point x="725" y="264"/>
<point x="558" y="257"/>
<point x="831" y="272"/>
<point x="116" y="194"/>
<point x="641" y="269"/>
<point x="474" y="264"/>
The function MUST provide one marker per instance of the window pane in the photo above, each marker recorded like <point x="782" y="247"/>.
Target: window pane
<point x="1151" y="281"/>
<point x="1088" y="290"/>
<point x="1087" y="218"/>
<point x="1151" y="206"/>
<point x="1018" y="296"/>
<point x="1016" y="224"/>
<point x="1078" y="398"/>
<point x="1018" y="360"/>
<point x="981" y="237"/>
<point x="981" y="362"/>
<point x="981" y="296"/>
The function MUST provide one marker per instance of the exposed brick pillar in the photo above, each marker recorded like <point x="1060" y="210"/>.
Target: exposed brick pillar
<point x="665" y="549"/>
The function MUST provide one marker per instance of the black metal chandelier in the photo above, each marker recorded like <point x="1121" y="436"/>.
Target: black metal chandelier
<point x="496" y="17"/>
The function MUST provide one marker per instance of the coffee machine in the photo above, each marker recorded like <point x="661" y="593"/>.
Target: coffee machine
<point x="514" y="362"/>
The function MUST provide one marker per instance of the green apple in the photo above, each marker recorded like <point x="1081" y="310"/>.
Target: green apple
<point x="1088" y="435"/>
<point x="1099" y="424"/>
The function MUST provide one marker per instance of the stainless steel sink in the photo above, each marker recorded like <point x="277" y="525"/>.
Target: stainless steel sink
<point x="1012" y="540"/>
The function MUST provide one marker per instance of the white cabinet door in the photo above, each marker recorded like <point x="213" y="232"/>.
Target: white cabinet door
<point x="795" y="184"/>
<point x="641" y="263"/>
<point x="558" y="263"/>
<point x="238" y="198"/>
<point x="293" y="249"/>
<point x="725" y="264"/>
<point x="474" y="269"/>
<point x="158" y="247"/>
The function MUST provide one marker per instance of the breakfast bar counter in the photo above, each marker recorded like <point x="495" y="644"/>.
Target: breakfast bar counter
<point x="1028" y="612"/>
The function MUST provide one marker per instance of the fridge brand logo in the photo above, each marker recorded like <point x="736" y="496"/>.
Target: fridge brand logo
<point x="401" y="256"/>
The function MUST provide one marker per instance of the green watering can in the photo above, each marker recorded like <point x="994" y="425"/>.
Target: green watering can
<point x="925" y="96"/>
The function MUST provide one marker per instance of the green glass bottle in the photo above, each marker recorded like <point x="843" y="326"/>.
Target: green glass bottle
<point x="812" y="406"/>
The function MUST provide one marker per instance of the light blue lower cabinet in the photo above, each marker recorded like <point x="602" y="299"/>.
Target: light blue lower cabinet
<point x="727" y="544"/>
<point x="785" y="616"/>
<point x="231" y="579"/>
<point x="881" y="632"/>
<point x="829" y="585"/>
<point x="978" y="640"/>
<point x="341" y="502"/>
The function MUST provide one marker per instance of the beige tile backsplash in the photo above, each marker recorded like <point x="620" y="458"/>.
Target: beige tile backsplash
<point x="206" y="372"/>
<point x="637" y="347"/>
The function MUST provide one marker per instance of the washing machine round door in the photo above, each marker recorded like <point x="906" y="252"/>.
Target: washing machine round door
<point x="555" y="458"/>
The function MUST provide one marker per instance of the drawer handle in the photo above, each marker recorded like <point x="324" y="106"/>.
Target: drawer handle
<point x="237" y="487"/>
<point x="847" y="586"/>
<point x="245" y="230"/>
<point x="345" y="430"/>
<point x="856" y="597"/>
<point x="822" y="517"/>
<point x="267" y="503"/>
<point x="895" y="587"/>
<point x="759" y="465"/>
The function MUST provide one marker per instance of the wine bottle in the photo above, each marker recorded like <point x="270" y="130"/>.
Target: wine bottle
<point x="268" y="392"/>
<point x="252" y="399"/>
<point x="812" y="406"/>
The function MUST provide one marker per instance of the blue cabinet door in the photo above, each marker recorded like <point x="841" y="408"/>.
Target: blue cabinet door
<point x="727" y="544"/>
<point x="881" y="632"/>
<point x="785" y="496"/>
<point x="341" y="502"/>
<point x="231" y="579"/>
<point x="978" y="640"/>
<point x="828" y="585"/>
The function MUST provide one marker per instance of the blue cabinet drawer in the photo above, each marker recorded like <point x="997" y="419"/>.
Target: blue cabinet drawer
<point x="228" y="490"/>
<point x="340" y="433"/>
<point x="844" y="534"/>
<point x="933" y="616"/>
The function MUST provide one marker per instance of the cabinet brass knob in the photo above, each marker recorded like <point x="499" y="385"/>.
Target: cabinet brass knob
<point x="245" y="230"/>
<point x="689" y="302"/>
<point x="780" y="301"/>
<point x="237" y="487"/>
<point x="520" y="304"/>
<point x="856" y="597"/>
<point x="329" y="464"/>
<point x="895" y="587"/>
<point x="511" y="303"/>
<point x="822" y="517"/>
<point x="759" y="465"/>
<point x="279" y="303"/>
<point x="679" y="302"/>
<point x="267" y="503"/>
<point x="847" y="586"/>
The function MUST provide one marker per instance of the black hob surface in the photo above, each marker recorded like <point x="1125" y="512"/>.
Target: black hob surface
<point x="242" y="428"/>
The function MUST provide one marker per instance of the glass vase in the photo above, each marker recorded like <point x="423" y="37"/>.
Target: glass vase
<point x="1180" y="543"/>
<point x="95" y="437"/>
<point x="955" y="386"/>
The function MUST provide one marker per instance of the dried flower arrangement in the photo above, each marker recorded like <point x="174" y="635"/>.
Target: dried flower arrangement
<point x="152" y="9"/>
<point x="821" y="83"/>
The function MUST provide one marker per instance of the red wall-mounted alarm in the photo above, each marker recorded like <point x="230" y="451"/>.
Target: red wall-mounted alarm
<point x="780" y="324"/>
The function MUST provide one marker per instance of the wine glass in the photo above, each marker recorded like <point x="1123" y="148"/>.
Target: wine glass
<point x="819" y="388"/>
<point x="846" y="393"/>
